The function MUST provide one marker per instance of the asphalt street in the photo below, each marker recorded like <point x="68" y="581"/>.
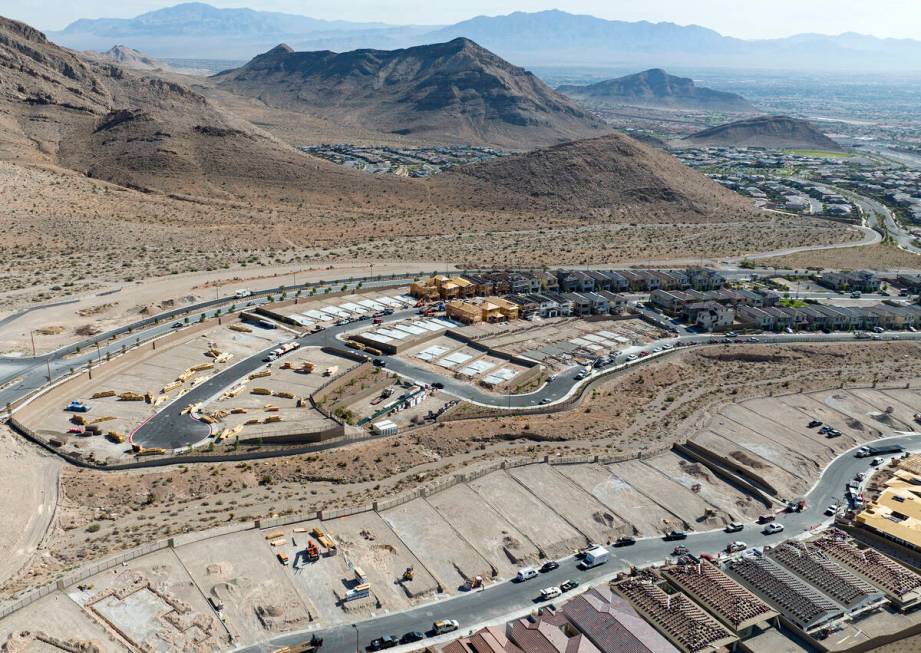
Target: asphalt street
<point x="496" y="601"/>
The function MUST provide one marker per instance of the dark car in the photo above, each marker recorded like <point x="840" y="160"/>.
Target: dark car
<point x="380" y="362"/>
<point x="176" y="325"/>
<point x="412" y="636"/>
<point x="815" y="424"/>
<point x="438" y="385"/>
<point x="569" y="585"/>
<point x="676" y="535"/>
<point x="549" y="566"/>
<point x="626" y="540"/>
<point x="381" y="643"/>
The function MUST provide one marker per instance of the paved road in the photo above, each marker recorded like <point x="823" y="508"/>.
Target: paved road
<point x="501" y="599"/>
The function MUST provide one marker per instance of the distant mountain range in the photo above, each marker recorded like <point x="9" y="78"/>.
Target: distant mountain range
<point x="196" y="30"/>
<point x="656" y="88"/>
<point x="454" y="91"/>
<point x="777" y="132"/>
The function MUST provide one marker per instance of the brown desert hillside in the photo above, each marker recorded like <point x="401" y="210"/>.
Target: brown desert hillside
<point x="614" y="173"/>
<point x="766" y="131"/>
<point x="446" y="92"/>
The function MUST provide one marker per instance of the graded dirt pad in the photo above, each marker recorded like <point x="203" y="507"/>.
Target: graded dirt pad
<point x="590" y="517"/>
<point x="910" y="398"/>
<point x="775" y="431"/>
<point x="753" y="466"/>
<point x="786" y="458"/>
<point x="854" y="431"/>
<point x="701" y="481"/>
<point x="845" y="402"/>
<point x="688" y="506"/>
<point x="491" y="535"/>
<point x="367" y="541"/>
<point x="450" y="559"/>
<point x="56" y="615"/>
<point x="241" y="572"/>
<point x="28" y="498"/>
<point x="321" y="584"/>
<point x="641" y="515"/>
<point x="794" y="412"/>
<point x="140" y="599"/>
<point x="539" y="523"/>
<point x="889" y="405"/>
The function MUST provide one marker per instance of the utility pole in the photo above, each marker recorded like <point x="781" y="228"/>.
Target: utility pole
<point x="48" y="365"/>
<point x="32" y="336"/>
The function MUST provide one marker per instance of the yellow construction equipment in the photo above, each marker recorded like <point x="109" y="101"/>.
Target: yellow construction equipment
<point x="103" y="394"/>
<point x="260" y="374"/>
<point x="130" y="396"/>
<point x="261" y="391"/>
<point x="116" y="437"/>
<point x="152" y="451"/>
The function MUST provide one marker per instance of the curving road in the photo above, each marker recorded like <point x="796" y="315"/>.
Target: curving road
<point x="502" y="599"/>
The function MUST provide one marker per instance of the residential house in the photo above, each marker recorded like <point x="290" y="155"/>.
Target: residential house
<point x="710" y="316"/>
<point x="581" y="305"/>
<point x="617" y="303"/>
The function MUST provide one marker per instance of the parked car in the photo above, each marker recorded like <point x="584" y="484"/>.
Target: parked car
<point x="676" y="535"/>
<point x="176" y="325"/>
<point x="550" y="565"/>
<point x="569" y="585"/>
<point x="735" y="547"/>
<point x="550" y="593"/>
<point x="525" y="573"/>
<point x="772" y="528"/>
<point x="814" y="424"/>
<point x="381" y="643"/>
<point x="626" y="540"/>
<point x="438" y="385"/>
<point x="766" y="518"/>
<point x="832" y="509"/>
<point x="733" y="527"/>
<point x="380" y="362"/>
<point x="545" y="401"/>
<point x="876" y="462"/>
<point x="412" y="636"/>
<point x="443" y="626"/>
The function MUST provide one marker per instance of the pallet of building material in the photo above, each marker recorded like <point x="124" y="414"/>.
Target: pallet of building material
<point x="103" y="394"/>
<point x="227" y="433"/>
<point x="260" y="374"/>
<point x="93" y="429"/>
<point x="300" y="529"/>
<point x="213" y="353"/>
<point x="238" y="411"/>
<point x="189" y="409"/>
<point x="287" y="365"/>
<point x="116" y="437"/>
<point x="79" y="420"/>
<point x="223" y="358"/>
<point x="148" y="398"/>
<point x="160" y="400"/>
<point x="169" y="387"/>
<point x="271" y="409"/>
<point x="130" y="396"/>
<point x="274" y="535"/>
<point x="261" y="391"/>
<point x="272" y="420"/>
<point x="185" y="376"/>
<point x="283" y="394"/>
<point x="103" y="418"/>
<point x="242" y="328"/>
<point x="182" y="393"/>
<point x="207" y="419"/>
<point x="201" y="367"/>
<point x="302" y="403"/>
<point x="306" y="368"/>
<point x="252" y="422"/>
<point x="197" y="382"/>
<point x="219" y="414"/>
<point x="279" y="542"/>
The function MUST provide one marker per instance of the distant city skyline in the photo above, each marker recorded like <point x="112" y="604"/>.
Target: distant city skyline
<point x="754" y="19"/>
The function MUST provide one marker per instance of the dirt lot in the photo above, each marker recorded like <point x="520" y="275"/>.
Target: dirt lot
<point x="58" y="616"/>
<point x="662" y="402"/>
<point x="874" y="257"/>
<point x="256" y="591"/>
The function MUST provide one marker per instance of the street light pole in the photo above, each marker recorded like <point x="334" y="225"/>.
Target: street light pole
<point x="357" y="645"/>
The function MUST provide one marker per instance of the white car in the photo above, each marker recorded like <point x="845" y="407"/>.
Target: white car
<point x="632" y="357"/>
<point x="550" y="593"/>
<point x="526" y="573"/>
<point x="876" y="462"/>
<point x="772" y="528"/>
<point x="832" y="509"/>
<point x="667" y="345"/>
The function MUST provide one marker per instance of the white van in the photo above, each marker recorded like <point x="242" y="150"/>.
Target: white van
<point x="243" y="292"/>
<point x="550" y="593"/>
<point x="526" y="573"/>
<point x="595" y="556"/>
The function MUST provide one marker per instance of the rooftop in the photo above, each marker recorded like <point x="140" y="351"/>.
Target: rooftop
<point x="731" y="603"/>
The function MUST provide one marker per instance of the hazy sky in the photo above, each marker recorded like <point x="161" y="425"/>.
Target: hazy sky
<point x="742" y="18"/>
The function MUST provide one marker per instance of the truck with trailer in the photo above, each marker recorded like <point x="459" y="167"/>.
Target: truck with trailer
<point x="879" y="450"/>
